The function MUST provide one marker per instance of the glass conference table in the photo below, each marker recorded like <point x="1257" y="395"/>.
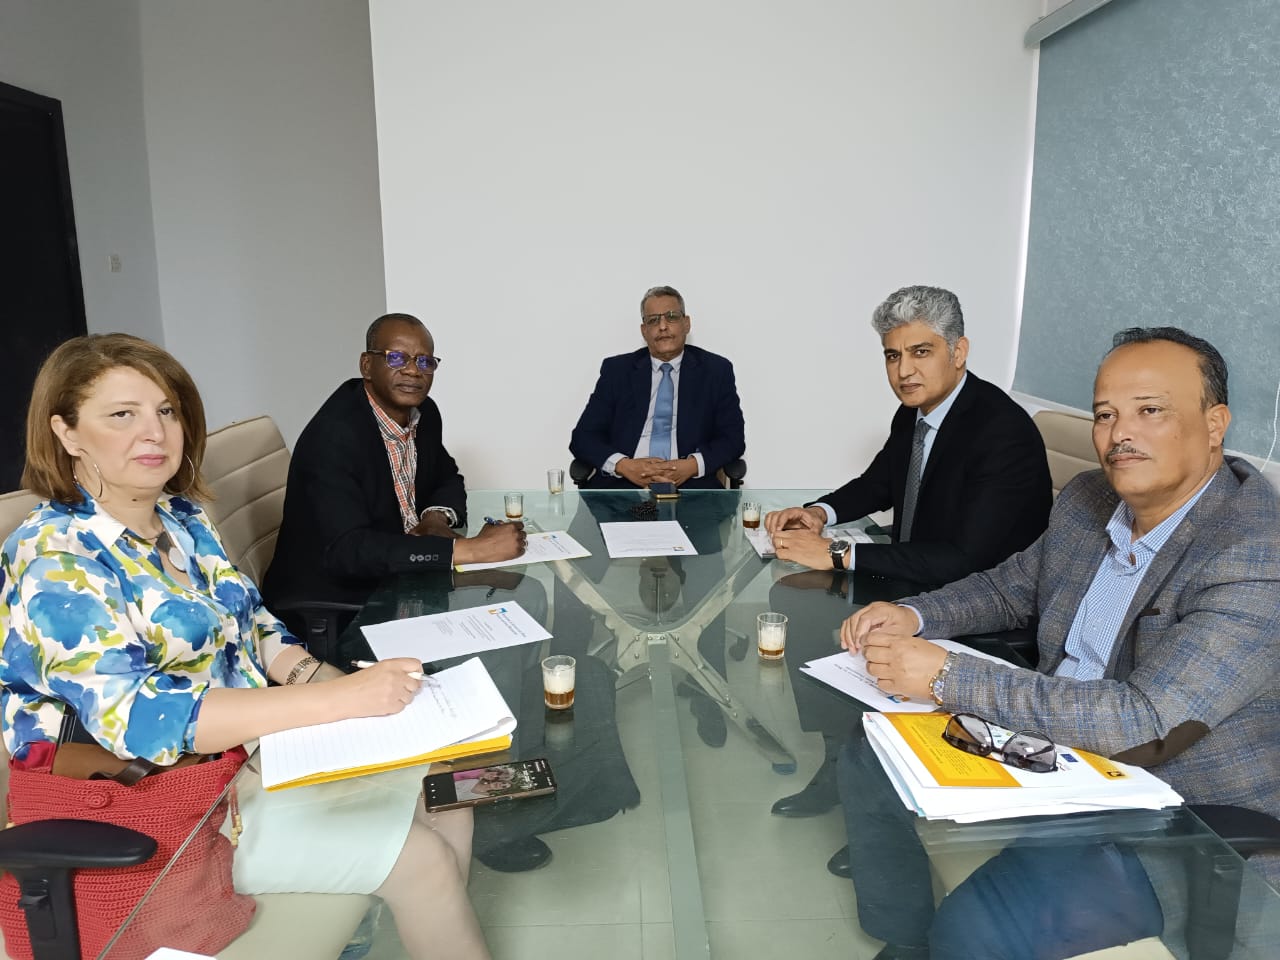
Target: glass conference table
<point x="680" y="740"/>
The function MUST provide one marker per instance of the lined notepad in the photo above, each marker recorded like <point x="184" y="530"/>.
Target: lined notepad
<point x="457" y="713"/>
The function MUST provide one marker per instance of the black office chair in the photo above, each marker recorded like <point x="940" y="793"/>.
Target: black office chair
<point x="580" y="472"/>
<point x="318" y="624"/>
<point x="42" y="855"/>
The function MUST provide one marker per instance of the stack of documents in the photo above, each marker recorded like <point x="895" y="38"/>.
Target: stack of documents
<point x="457" y="713"/>
<point x="941" y="782"/>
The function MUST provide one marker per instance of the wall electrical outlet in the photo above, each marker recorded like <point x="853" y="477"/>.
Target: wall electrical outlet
<point x="113" y="262"/>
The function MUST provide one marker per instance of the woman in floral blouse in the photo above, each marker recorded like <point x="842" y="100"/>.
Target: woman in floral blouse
<point x="118" y="600"/>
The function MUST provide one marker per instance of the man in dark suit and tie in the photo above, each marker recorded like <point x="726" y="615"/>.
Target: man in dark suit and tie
<point x="965" y="473"/>
<point x="667" y="413"/>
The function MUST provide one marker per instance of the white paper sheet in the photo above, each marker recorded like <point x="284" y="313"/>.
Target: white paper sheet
<point x="649" y="538"/>
<point x="461" y="703"/>
<point x="762" y="543"/>
<point x="847" y="672"/>
<point x="455" y="633"/>
<point x="540" y="547"/>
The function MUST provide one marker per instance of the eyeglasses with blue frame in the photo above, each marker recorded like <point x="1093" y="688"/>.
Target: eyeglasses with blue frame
<point x="396" y="359"/>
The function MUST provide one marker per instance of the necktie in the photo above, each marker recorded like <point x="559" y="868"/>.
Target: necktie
<point x="914" y="469"/>
<point x="663" y="407"/>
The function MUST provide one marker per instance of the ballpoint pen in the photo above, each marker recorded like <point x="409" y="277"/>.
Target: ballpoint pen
<point x="494" y="523"/>
<point x="413" y="674"/>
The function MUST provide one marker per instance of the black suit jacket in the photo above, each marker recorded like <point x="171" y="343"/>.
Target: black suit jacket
<point x="708" y="414"/>
<point x="342" y="531"/>
<point x="985" y="493"/>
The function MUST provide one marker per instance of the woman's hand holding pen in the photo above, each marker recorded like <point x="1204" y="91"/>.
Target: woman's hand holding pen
<point x="494" y="542"/>
<point x="385" y="688"/>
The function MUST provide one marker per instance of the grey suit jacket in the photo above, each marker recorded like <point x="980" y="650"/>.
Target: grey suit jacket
<point x="1191" y="690"/>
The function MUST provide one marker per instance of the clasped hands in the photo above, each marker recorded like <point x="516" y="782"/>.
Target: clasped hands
<point x="643" y="471"/>
<point x="901" y="662"/>
<point x="796" y="533"/>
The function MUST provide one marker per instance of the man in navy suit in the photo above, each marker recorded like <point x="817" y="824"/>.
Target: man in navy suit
<point x="667" y="413"/>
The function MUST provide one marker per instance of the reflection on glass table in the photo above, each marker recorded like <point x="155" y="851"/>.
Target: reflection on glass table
<point x="661" y="843"/>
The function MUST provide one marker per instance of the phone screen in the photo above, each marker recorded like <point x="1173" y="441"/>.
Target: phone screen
<point x="664" y="490"/>
<point x="500" y="781"/>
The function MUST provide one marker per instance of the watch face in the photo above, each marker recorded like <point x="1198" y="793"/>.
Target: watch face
<point x="839" y="546"/>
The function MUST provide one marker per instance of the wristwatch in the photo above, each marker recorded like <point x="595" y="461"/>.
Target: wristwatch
<point x="839" y="550"/>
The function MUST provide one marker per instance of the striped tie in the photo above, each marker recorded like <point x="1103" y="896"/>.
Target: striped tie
<point x="914" y="469"/>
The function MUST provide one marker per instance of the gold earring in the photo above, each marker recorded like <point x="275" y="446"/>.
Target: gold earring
<point x="102" y="484"/>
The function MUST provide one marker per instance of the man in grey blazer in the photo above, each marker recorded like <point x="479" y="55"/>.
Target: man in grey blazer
<point x="1157" y="587"/>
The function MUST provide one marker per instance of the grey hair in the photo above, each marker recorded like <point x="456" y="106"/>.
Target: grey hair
<point x="1213" y="369"/>
<point x="662" y="292"/>
<point x="937" y="309"/>
<point x="371" y="335"/>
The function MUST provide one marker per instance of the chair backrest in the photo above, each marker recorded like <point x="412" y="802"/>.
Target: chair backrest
<point x="14" y="508"/>
<point x="246" y="464"/>
<point x="1068" y="440"/>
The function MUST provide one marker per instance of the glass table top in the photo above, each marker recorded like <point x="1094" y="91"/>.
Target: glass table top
<point x="662" y="837"/>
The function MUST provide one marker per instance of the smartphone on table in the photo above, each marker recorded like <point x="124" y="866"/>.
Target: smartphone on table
<point x="664" y="491"/>
<point x="499" y="781"/>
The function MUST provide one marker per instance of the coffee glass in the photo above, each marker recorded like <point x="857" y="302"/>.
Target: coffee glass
<point x="514" y="504"/>
<point x="771" y="635"/>
<point x="558" y="681"/>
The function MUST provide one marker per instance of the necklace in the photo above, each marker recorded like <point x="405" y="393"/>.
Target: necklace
<point x="165" y="545"/>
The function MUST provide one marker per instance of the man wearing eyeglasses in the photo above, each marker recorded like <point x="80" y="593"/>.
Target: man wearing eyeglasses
<point x="1157" y="588"/>
<point x="372" y="489"/>
<point x="667" y="413"/>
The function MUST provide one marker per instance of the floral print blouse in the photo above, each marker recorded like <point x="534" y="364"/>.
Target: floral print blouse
<point x="90" y="618"/>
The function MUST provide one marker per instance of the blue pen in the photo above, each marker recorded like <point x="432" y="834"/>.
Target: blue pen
<point x="494" y="523"/>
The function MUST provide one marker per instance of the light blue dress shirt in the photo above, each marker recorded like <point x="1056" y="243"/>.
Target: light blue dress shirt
<point x="934" y="419"/>
<point x="1096" y="626"/>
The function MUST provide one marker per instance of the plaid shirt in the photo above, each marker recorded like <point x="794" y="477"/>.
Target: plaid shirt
<point x="402" y="452"/>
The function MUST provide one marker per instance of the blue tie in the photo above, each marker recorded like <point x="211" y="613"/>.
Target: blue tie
<point x="663" y="407"/>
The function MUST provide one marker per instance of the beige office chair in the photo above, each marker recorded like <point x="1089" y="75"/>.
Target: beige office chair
<point x="246" y="465"/>
<point x="1068" y="441"/>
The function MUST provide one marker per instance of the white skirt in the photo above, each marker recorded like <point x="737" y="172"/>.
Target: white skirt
<point x="341" y="837"/>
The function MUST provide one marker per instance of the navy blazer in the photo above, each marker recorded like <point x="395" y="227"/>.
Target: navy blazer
<point x="985" y="493"/>
<point x="708" y="414"/>
<point x="342" y="531"/>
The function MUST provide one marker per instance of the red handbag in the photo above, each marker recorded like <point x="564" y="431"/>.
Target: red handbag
<point x="194" y="906"/>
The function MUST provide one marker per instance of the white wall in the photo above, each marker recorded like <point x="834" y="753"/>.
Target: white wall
<point x="263" y="159"/>
<point x="87" y="56"/>
<point x="785" y="165"/>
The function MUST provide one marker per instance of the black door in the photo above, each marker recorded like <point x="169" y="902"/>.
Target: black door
<point x="41" y="298"/>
